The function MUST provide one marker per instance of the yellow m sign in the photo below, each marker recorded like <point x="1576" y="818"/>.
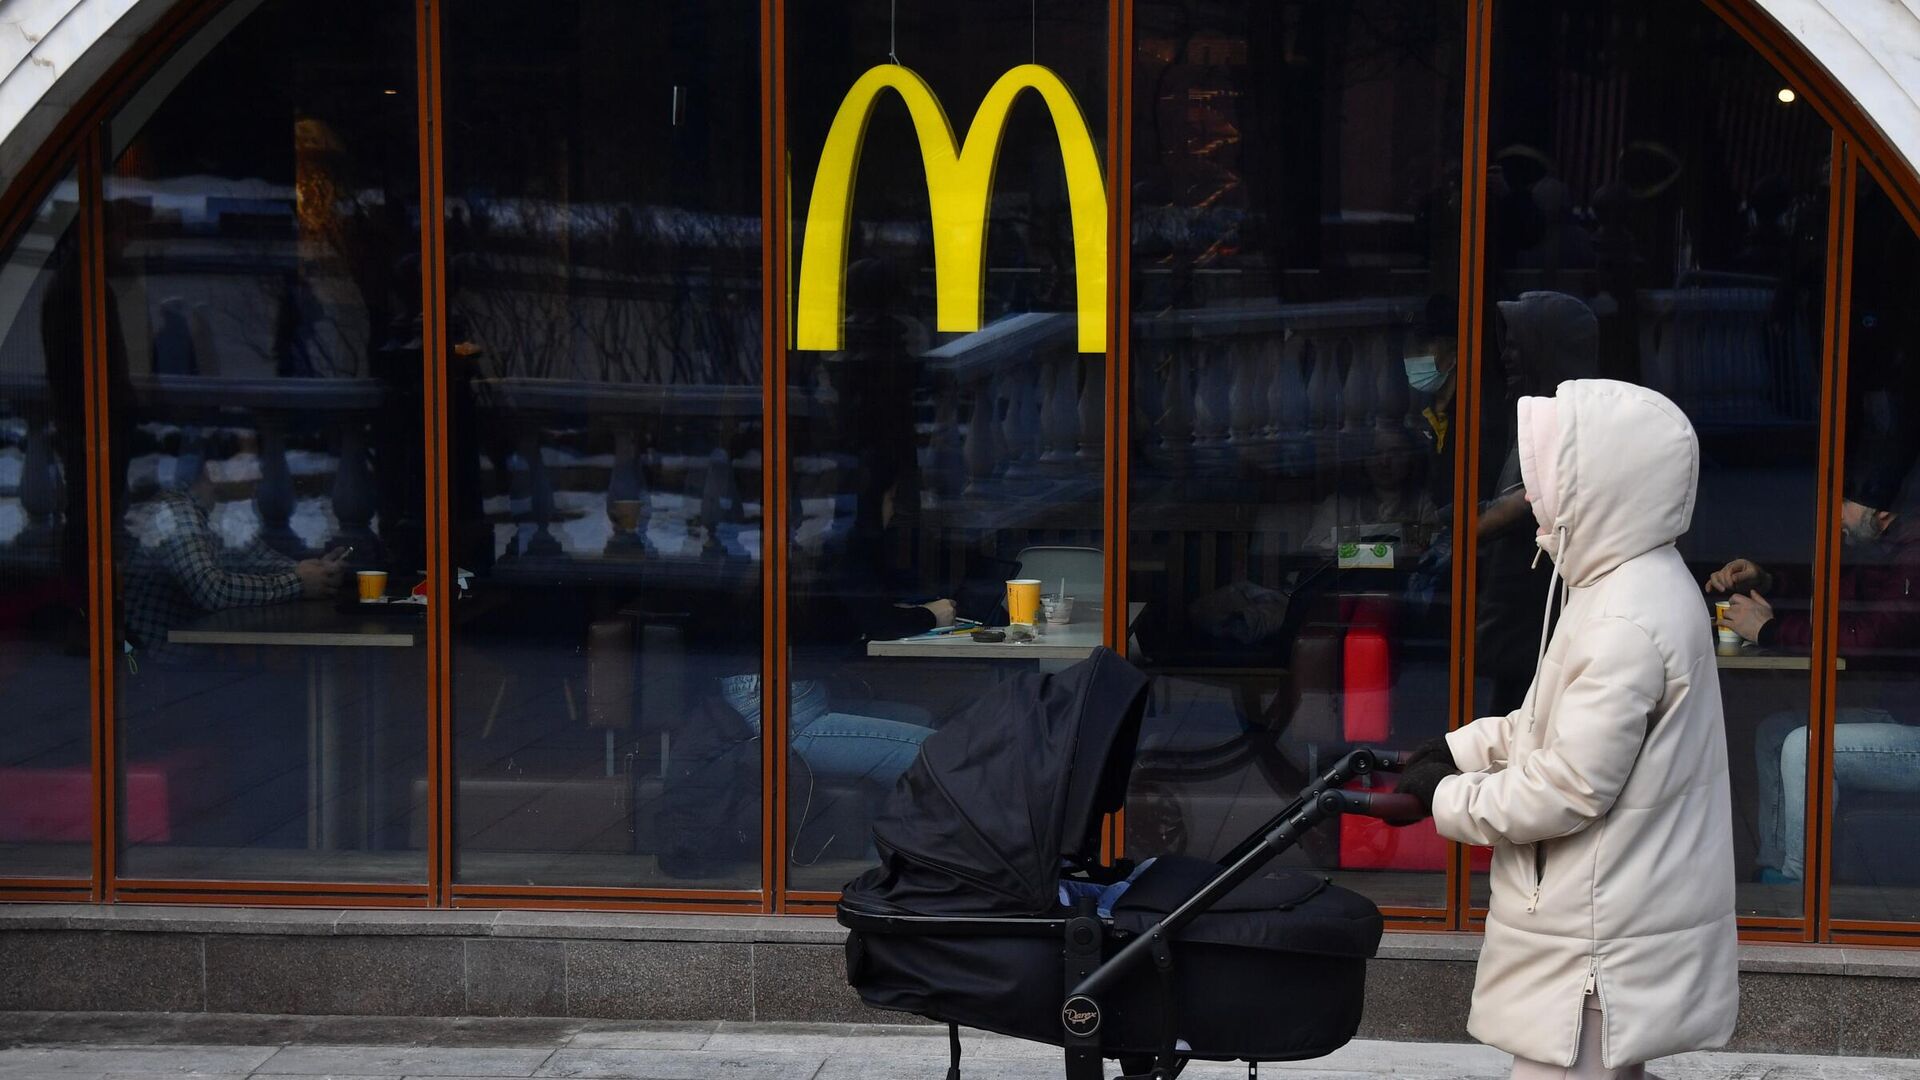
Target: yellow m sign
<point x="960" y="190"/>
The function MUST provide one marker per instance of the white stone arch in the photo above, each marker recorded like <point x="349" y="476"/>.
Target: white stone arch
<point x="51" y="54"/>
<point x="1872" y="49"/>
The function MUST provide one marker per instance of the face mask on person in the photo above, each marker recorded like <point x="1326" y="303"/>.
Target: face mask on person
<point x="1424" y="374"/>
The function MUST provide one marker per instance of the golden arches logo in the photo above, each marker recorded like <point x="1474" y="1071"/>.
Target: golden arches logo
<point x="960" y="192"/>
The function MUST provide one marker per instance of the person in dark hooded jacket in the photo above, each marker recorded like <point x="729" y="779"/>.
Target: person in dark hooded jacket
<point x="1546" y="338"/>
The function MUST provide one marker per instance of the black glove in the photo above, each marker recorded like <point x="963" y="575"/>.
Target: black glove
<point x="1434" y="749"/>
<point x="1421" y="780"/>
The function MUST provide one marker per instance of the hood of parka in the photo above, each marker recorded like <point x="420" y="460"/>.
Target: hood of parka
<point x="1625" y="468"/>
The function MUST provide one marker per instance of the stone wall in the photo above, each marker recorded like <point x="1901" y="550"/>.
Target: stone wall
<point x="1794" y="999"/>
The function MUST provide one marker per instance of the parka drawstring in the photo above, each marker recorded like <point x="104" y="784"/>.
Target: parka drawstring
<point x="1557" y="588"/>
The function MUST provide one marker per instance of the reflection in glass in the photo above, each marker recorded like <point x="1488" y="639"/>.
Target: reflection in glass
<point x="1296" y="211"/>
<point x="46" y="800"/>
<point x="1657" y="214"/>
<point x="929" y="467"/>
<point x="263" y="302"/>
<point x="1876" y="735"/>
<point x="604" y="250"/>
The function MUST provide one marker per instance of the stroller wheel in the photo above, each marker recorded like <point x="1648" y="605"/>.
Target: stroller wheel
<point x="1140" y="1067"/>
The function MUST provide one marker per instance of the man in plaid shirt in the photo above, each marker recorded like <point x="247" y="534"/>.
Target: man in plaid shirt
<point x="188" y="572"/>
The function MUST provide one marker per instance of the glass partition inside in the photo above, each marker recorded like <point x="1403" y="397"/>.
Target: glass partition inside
<point x="946" y="421"/>
<point x="604" y="380"/>
<point x="1657" y="213"/>
<point x="1296" y="213"/>
<point x="264" y="376"/>
<point x="46" y="800"/>
<point x="1876" y="734"/>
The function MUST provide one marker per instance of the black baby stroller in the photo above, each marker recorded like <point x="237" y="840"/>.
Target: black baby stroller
<point x="989" y="909"/>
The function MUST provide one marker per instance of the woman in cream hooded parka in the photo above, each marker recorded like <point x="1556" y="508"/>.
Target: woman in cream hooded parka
<point x="1605" y="796"/>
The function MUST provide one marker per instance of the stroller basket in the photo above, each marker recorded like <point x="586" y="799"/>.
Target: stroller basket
<point x="987" y="910"/>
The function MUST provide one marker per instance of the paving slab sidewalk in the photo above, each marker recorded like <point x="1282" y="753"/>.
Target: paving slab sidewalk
<point x="119" y="1046"/>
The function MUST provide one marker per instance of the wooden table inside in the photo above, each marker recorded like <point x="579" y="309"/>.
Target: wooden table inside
<point x="306" y="622"/>
<point x="1074" y="641"/>
<point x="326" y="631"/>
<point x="1752" y="659"/>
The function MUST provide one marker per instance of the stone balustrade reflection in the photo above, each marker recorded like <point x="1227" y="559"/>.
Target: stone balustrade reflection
<point x="1009" y="412"/>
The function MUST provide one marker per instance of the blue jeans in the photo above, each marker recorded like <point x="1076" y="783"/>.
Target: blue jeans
<point x="1871" y="752"/>
<point x="837" y="745"/>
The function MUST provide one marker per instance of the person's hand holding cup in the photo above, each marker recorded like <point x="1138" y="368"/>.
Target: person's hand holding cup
<point x="1747" y="615"/>
<point x="1726" y="639"/>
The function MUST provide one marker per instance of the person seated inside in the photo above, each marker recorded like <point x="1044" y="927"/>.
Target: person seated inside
<point x="1389" y="499"/>
<point x="1879" y="612"/>
<point x="844" y="604"/>
<point x="183" y="570"/>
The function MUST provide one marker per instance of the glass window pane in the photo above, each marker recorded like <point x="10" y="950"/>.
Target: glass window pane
<point x="46" y="786"/>
<point x="1657" y="214"/>
<point x="1295" y="290"/>
<point x="946" y="422"/>
<point x="262" y="267"/>
<point x="604" y="309"/>
<point x="1876" y="739"/>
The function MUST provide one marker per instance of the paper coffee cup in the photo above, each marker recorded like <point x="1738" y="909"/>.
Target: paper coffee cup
<point x="373" y="584"/>
<point x="1720" y="612"/>
<point x="1727" y="641"/>
<point x="1023" y="601"/>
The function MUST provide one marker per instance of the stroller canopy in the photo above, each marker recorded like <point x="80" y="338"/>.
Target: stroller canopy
<point x="979" y="824"/>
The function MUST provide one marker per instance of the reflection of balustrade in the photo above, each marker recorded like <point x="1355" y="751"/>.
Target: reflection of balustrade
<point x="273" y="497"/>
<point x="1021" y="404"/>
<point x="42" y="488"/>
<point x="562" y="427"/>
<point x="1288" y="412"/>
<point x="1274" y="386"/>
<point x="1277" y="385"/>
<point x="1176" y="408"/>
<point x="537" y="494"/>
<point x="341" y="410"/>
<point x="1060" y="415"/>
<point x="1210" y="400"/>
<point x="626" y="486"/>
<point x="354" y="494"/>
<point x="1092" y="425"/>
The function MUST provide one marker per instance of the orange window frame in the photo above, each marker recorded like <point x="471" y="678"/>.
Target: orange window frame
<point x="76" y="142"/>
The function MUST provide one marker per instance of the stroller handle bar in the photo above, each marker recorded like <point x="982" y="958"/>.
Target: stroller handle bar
<point x="1354" y="765"/>
<point x="1385" y="805"/>
<point x="1320" y="800"/>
